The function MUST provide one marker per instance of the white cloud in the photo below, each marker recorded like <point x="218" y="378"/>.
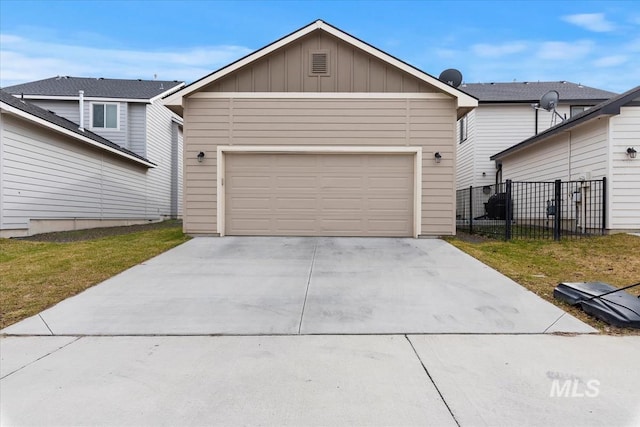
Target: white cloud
<point x="24" y="60"/>
<point x="498" y="50"/>
<point x="590" y="21"/>
<point x="563" y="51"/>
<point x="610" y="61"/>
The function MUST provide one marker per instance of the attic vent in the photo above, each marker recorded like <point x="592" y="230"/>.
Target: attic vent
<point x="319" y="63"/>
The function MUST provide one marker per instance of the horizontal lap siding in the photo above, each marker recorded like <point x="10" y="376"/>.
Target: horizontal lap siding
<point x="159" y="151"/>
<point x="625" y="172"/>
<point x="46" y="176"/>
<point x="332" y="122"/>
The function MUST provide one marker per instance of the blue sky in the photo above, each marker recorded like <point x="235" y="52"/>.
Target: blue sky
<point x="594" y="43"/>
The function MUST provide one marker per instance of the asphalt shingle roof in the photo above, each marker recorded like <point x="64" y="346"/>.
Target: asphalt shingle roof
<point x="610" y="106"/>
<point x="532" y="91"/>
<point x="94" y="87"/>
<point x="53" y="118"/>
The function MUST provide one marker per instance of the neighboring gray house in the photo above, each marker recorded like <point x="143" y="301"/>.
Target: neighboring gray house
<point x="505" y="116"/>
<point x="601" y="142"/>
<point x="127" y="114"/>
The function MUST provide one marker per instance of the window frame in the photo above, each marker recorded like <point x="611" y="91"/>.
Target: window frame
<point x="117" y="105"/>
<point x="463" y="129"/>
<point x="584" y="108"/>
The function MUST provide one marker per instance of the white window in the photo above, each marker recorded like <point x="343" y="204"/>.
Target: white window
<point x="463" y="130"/>
<point x="104" y="116"/>
<point x="577" y="109"/>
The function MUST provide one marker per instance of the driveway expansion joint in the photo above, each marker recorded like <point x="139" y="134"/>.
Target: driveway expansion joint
<point x="306" y="293"/>
<point x="432" y="381"/>
<point x="553" y="323"/>
<point x="45" y="324"/>
<point x="40" y="358"/>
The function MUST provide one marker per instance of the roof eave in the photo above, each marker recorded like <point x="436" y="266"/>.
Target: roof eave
<point x="56" y="128"/>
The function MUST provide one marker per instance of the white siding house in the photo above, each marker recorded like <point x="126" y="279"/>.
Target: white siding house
<point x="141" y="127"/>
<point x="598" y="143"/>
<point x="505" y="117"/>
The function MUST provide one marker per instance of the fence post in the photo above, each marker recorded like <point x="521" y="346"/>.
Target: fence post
<point x="508" y="212"/>
<point x="557" y="220"/>
<point x="471" y="209"/>
<point x="604" y="204"/>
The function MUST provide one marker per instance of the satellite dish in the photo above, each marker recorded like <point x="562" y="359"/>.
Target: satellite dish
<point x="451" y="76"/>
<point x="549" y="100"/>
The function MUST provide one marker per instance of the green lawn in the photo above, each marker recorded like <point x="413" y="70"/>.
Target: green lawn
<point x="37" y="275"/>
<point x="540" y="265"/>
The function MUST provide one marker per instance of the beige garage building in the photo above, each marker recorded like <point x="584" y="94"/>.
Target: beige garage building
<point x="319" y="134"/>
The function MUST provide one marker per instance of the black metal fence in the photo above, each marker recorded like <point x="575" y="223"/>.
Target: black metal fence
<point x="534" y="210"/>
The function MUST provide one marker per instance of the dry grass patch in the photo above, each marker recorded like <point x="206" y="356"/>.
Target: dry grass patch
<point x="37" y="275"/>
<point x="541" y="265"/>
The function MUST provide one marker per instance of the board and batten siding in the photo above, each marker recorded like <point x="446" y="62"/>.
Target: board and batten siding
<point x="429" y="123"/>
<point x="46" y="175"/>
<point x="160" y="151"/>
<point x="349" y="70"/>
<point x="624" y="184"/>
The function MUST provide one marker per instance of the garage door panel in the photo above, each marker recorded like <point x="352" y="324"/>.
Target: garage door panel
<point x="294" y="225"/>
<point x="319" y="194"/>
<point x="239" y="203"/>
<point x="342" y="204"/>
<point x="388" y="182"/>
<point x="302" y="203"/>
<point x="296" y="182"/>
<point x="248" y="183"/>
<point x="393" y="227"/>
<point x="340" y="183"/>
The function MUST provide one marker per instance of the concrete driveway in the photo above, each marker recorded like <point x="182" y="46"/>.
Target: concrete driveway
<point x="288" y="286"/>
<point x="276" y="293"/>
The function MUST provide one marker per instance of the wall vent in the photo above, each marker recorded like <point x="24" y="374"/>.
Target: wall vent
<point x="319" y="63"/>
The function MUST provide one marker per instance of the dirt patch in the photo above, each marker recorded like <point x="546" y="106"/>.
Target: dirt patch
<point x="472" y="238"/>
<point x="97" y="233"/>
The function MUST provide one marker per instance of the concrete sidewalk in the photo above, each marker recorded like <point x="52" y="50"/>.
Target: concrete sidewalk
<point x="283" y="286"/>
<point x="415" y="380"/>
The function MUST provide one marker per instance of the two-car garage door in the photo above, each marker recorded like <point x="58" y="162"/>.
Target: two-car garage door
<point x="280" y="194"/>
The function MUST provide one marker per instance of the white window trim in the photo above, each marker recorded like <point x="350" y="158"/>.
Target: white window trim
<point x="117" y="104"/>
<point x="463" y="123"/>
<point x="311" y="149"/>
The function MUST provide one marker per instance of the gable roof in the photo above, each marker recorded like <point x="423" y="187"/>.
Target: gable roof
<point x="174" y="100"/>
<point x="528" y="92"/>
<point x="610" y="107"/>
<point x="26" y="110"/>
<point x="66" y="86"/>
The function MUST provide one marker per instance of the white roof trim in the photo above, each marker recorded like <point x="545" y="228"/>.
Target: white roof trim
<point x="167" y="92"/>
<point x="86" y="98"/>
<point x="464" y="100"/>
<point x="322" y="95"/>
<point x="23" y="114"/>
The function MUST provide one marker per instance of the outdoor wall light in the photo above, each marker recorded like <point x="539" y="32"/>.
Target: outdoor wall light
<point x="632" y="153"/>
<point x="200" y="156"/>
<point x="437" y="156"/>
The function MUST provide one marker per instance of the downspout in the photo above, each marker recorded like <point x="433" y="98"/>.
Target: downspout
<point x="536" y="130"/>
<point x="81" y="99"/>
